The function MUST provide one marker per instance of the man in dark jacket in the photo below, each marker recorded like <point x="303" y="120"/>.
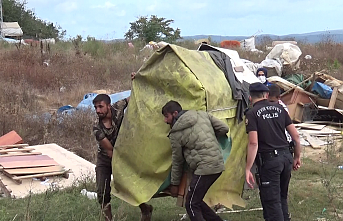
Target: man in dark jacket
<point x="193" y="138"/>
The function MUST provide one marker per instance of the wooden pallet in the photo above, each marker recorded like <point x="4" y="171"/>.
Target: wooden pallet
<point x="4" y="189"/>
<point x="35" y="170"/>
<point x="42" y="176"/>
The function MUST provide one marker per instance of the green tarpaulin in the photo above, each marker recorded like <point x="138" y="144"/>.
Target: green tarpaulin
<point x="142" y="156"/>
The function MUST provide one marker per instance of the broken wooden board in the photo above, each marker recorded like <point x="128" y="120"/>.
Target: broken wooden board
<point x="82" y="169"/>
<point x="10" y="176"/>
<point x="17" y="150"/>
<point x="4" y="189"/>
<point x="10" y="138"/>
<point x="324" y="131"/>
<point x="30" y="163"/>
<point x="34" y="170"/>
<point x="19" y="154"/>
<point x="325" y="122"/>
<point x="314" y="142"/>
<point x="310" y="126"/>
<point x="64" y="173"/>
<point x="25" y="158"/>
<point x="13" y="146"/>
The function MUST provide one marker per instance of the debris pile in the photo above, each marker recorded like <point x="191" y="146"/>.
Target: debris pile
<point x="19" y="161"/>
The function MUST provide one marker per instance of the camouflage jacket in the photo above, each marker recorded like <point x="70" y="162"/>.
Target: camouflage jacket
<point x="101" y="132"/>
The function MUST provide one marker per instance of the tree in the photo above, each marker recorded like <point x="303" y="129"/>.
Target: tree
<point x="32" y="26"/>
<point x="152" y="29"/>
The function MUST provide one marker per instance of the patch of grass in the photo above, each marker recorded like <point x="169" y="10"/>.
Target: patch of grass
<point x="308" y="200"/>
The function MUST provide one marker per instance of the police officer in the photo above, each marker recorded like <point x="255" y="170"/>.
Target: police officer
<point x="265" y="124"/>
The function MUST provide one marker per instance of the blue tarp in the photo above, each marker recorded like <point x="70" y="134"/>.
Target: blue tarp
<point x="87" y="102"/>
<point x="322" y="90"/>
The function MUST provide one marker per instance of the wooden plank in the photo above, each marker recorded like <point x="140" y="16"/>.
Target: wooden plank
<point x="31" y="163"/>
<point x="14" y="145"/>
<point x="34" y="170"/>
<point x="314" y="142"/>
<point x="4" y="189"/>
<point x="325" y="122"/>
<point x="64" y="173"/>
<point x="310" y="126"/>
<point x="10" y="138"/>
<point x="20" y="154"/>
<point x="17" y="150"/>
<point x="25" y="158"/>
<point x="10" y="176"/>
<point x="324" y="131"/>
<point x="333" y="98"/>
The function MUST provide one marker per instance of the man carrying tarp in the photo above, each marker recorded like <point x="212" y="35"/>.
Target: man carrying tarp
<point x="268" y="147"/>
<point x="106" y="132"/>
<point x="193" y="138"/>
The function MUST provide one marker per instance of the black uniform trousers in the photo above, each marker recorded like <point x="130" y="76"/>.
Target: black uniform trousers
<point x="103" y="173"/>
<point x="275" y="174"/>
<point x="197" y="209"/>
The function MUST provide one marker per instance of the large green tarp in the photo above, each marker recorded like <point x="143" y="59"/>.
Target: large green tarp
<point x="142" y="155"/>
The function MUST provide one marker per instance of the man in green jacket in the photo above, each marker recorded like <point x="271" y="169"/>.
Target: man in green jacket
<point x="193" y="138"/>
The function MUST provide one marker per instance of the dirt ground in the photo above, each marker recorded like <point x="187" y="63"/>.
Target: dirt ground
<point x="320" y="155"/>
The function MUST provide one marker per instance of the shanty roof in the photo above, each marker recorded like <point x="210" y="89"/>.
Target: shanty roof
<point x="11" y="29"/>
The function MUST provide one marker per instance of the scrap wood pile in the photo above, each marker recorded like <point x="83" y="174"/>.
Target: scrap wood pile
<point x="20" y="161"/>
<point x="315" y="103"/>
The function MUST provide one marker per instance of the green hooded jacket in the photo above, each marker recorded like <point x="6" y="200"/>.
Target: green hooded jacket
<point x="193" y="138"/>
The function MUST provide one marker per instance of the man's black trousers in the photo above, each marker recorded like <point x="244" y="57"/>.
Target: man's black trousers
<point x="275" y="174"/>
<point x="103" y="173"/>
<point x="197" y="209"/>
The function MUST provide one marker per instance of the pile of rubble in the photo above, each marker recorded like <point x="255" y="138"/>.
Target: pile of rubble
<point x="315" y="102"/>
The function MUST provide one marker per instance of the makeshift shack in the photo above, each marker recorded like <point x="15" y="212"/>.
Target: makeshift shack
<point x="142" y="154"/>
<point x="11" y="29"/>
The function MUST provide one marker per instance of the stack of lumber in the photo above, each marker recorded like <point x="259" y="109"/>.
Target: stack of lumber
<point x="317" y="134"/>
<point x="19" y="162"/>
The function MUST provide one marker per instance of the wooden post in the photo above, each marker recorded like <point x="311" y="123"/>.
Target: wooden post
<point x="4" y="189"/>
<point x="333" y="98"/>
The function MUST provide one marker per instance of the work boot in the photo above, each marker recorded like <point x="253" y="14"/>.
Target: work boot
<point x="146" y="212"/>
<point x="107" y="212"/>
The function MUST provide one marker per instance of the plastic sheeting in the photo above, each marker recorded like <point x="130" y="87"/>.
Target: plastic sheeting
<point x="323" y="90"/>
<point x="142" y="154"/>
<point x="87" y="101"/>
<point x="11" y="29"/>
<point x="247" y="75"/>
<point x="286" y="53"/>
<point x="248" y="44"/>
<point x="273" y="66"/>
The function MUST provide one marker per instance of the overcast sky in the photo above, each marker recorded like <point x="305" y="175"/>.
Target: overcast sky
<point x="109" y="19"/>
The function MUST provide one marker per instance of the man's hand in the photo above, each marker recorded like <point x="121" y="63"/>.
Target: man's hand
<point x="249" y="178"/>
<point x="174" y="190"/>
<point x="133" y="75"/>
<point x="109" y="153"/>
<point x="296" y="163"/>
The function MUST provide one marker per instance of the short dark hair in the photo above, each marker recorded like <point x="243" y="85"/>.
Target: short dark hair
<point x="171" y="107"/>
<point x="274" y="90"/>
<point x="102" y="97"/>
<point x="257" y="94"/>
